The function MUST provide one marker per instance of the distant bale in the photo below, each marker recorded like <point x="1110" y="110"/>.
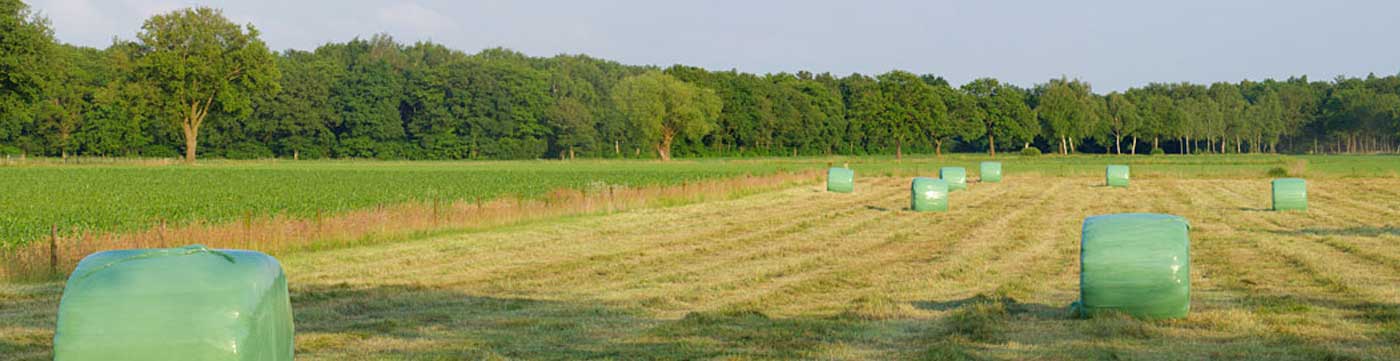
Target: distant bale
<point x="840" y="180"/>
<point x="990" y="172"/>
<point x="1116" y="175"/>
<point x="929" y="195"/>
<point x="955" y="176"/>
<point x="1290" y="194"/>
<point x="189" y="303"/>
<point x="1138" y="264"/>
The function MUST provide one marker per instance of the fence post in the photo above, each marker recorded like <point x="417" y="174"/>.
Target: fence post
<point x="248" y="229"/>
<point x="53" y="249"/>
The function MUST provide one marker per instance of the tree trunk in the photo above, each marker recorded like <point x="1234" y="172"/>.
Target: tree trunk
<point x="191" y="126"/>
<point x="991" y="144"/>
<point x="571" y="152"/>
<point x="664" y="148"/>
<point x="1064" y="149"/>
<point x="617" y="148"/>
<point x="1134" y="147"/>
<point x="899" y="149"/>
<point x="191" y="142"/>
<point x="1118" y="144"/>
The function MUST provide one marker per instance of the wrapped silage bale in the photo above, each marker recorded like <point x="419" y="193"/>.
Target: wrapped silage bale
<point x="1116" y="175"/>
<point x="928" y="195"/>
<point x="840" y="180"/>
<point x="1290" y="194"/>
<point x="1137" y="263"/>
<point x="990" y="172"/>
<point x="955" y="176"/>
<point x="189" y="303"/>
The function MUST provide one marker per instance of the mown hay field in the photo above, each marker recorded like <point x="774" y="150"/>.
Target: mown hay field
<point x="801" y="273"/>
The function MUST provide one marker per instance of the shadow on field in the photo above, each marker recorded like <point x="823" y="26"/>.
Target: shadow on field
<point x="1013" y="307"/>
<point x="413" y="322"/>
<point x="877" y="208"/>
<point x="1364" y="231"/>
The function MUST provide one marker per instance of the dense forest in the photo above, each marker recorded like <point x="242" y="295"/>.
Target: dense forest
<point x="192" y="79"/>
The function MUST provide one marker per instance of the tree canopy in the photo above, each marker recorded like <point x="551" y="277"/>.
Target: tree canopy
<point x="198" y="61"/>
<point x="193" y="82"/>
<point x="662" y="109"/>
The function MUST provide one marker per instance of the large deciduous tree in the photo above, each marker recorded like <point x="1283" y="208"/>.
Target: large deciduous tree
<point x="999" y="111"/>
<point x="911" y="108"/>
<point x="1121" y="120"/>
<point x="663" y="109"/>
<point x="199" y="62"/>
<point x="1068" y="109"/>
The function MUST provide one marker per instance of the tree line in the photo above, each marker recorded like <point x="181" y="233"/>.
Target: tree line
<point x="193" y="83"/>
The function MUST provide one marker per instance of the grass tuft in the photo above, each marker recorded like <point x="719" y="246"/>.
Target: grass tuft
<point x="947" y="350"/>
<point x="1111" y="325"/>
<point x="981" y="321"/>
<point x="876" y="308"/>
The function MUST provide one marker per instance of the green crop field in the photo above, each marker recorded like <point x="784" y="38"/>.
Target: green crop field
<point x="115" y="198"/>
<point x="796" y="273"/>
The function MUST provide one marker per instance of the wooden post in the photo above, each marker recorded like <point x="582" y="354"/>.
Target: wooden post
<point x="248" y="229"/>
<point x="161" y="236"/>
<point x="53" y="249"/>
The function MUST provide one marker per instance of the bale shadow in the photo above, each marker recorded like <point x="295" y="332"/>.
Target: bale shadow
<point x="353" y="322"/>
<point x="337" y="321"/>
<point x="1014" y="307"/>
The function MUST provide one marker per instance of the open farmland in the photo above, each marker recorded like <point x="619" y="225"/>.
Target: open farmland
<point x="125" y="197"/>
<point x="803" y="274"/>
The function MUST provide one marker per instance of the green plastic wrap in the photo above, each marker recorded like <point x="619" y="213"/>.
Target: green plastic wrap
<point x="189" y="303"/>
<point x="1290" y="194"/>
<point x="1136" y="263"/>
<point x="955" y="176"/>
<point x="990" y="172"/>
<point x="1116" y="175"/>
<point x="928" y="195"/>
<point x="840" y="180"/>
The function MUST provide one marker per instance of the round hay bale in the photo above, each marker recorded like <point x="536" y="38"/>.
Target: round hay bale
<point x="928" y="195"/>
<point x="840" y="180"/>
<point x="189" y="303"/>
<point x="955" y="176"/>
<point x="1116" y="175"/>
<point x="1290" y="194"/>
<point x="1136" y="263"/>
<point x="990" y="172"/>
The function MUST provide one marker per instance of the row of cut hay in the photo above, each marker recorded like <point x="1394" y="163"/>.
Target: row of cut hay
<point x="277" y="234"/>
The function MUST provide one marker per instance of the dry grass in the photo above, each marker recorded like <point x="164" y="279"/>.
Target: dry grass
<point x="804" y="274"/>
<point x="280" y="234"/>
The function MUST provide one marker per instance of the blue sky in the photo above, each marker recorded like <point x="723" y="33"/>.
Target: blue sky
<point x="1111" y="44"/>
